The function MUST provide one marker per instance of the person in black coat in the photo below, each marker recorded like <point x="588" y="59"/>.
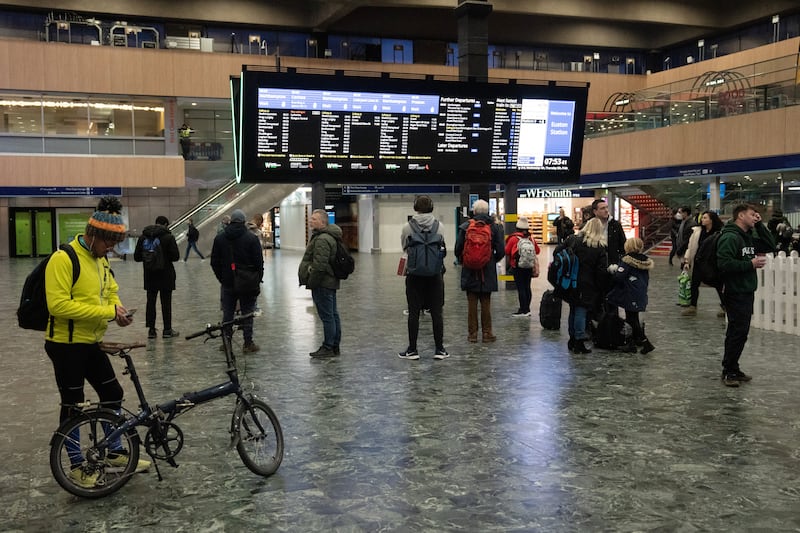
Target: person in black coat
<point x="159" y="281"/>
<point x="631" y="279"/>
<point x="589" y="246"/>
<point x="615" y="236"/>
<point x="237" y="245"/>
<point x="480" y="284"/>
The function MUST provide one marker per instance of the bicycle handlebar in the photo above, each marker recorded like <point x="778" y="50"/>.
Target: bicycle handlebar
<point x="216" y="327"/>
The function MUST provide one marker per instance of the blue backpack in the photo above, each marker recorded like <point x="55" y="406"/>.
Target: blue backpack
<point x="563" y="271"/>
<point x="424" y="249"/>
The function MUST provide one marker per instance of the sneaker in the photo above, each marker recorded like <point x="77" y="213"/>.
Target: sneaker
<point x="730" y="380"/>
<point x="336" y="350"/>
<point x="521" y="314"/>
<point x="86" y="479"/>
<point x="120" y="460"/>
<point x="489" y="337"/>
<point x="169" y="333"/>
<point x="689" y="311"/>
<point x="441" y="354"/>
<point x="409" y="354"/>
<point x="152" y="333"/>
<point x="405" y="311"/>
<point x="741" y="376"/>
<point x="323" y="351"/>
<point x="250" y="347"/>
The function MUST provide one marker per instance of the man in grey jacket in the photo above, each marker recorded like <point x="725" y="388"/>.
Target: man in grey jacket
<point x="316" y="273"/>
<point x="424" y="291"/>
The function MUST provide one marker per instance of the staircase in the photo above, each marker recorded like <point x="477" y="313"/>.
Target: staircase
<point x="655" y="218"/>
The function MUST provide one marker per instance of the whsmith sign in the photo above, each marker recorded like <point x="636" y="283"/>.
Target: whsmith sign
<point x="554" y="193"/>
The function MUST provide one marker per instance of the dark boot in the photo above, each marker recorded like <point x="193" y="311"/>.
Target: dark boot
<point x="629" y="347"/>
<point x="571" y="344"/>
<point x="579" y="347"/>
<point x="647" y="346"/>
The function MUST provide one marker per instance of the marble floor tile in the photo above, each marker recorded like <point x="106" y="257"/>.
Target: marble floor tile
<point x="516" y="435"/>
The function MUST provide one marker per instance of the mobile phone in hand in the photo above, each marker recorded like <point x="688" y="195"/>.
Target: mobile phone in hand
<point x="131" y="312"/>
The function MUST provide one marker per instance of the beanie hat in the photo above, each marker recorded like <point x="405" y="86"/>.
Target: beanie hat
<point x="238" y="216"/>
<point x="106" y="223"/>
<point x="522" y="223"/>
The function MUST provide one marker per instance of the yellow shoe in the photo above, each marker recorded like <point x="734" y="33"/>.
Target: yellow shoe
<point x="120" y="460"/>
<point x="83" y="478"/>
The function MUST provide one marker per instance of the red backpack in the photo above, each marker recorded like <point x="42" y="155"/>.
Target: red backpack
<point x="477" y="245"/>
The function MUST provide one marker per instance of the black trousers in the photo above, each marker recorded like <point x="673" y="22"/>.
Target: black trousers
<point x="166" y="308"/>
<point x="739" y="308"/>
<point x="522" y="279"/>
<point x="425" y="292"/>
<point x="75" y="363"/>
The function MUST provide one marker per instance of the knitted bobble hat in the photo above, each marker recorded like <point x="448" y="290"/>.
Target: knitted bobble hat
<point x="106" y="222"/>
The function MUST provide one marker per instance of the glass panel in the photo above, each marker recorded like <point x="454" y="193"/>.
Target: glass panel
<point x="66" y="117"/>
<point x="108" y="120"/>
<point x="21" y="115"/>
<point x="148" y="118"/>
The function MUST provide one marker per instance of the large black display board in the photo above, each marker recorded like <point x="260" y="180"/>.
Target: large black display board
<point x="310" y="127"/>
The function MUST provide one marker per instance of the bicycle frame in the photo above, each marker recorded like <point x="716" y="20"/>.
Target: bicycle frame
<point x="173" y="408"/>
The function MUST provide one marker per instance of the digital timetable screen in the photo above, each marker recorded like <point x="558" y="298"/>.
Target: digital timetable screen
<point x="298" y="127"/>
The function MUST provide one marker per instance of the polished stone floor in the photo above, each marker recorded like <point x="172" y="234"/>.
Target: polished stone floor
<point x="518" y="435"/>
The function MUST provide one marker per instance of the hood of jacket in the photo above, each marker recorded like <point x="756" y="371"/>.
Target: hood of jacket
<point x="731" y="227"/>
<point x="331" y="229"/>
<point x="636" y="260"/>
<point x="154" y="230"/>
<point x="425" y="220"/>
<point x="234" y="230"/>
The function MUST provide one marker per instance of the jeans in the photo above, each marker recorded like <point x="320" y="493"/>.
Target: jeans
<point x="739" y="307"/>
<point x="192" y="245"/>
<point x="166" y="308"/>
<point x="425" y="292"/>
<point x="247" y="304"/>
<point x="576" y="324"/>
<point x="325" y="302"/>
<point x="522" y="279"/>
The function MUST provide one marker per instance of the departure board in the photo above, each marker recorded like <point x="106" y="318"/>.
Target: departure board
<point x="303" y="127"/>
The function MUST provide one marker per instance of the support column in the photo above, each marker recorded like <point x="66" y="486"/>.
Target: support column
<point x="510" y="226"/>
<point x="317" y="195"/>
<point x="473" y="63"/>
<point x="714" y="202"/>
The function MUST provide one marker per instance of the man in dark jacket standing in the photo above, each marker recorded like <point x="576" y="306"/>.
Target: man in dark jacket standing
<point x="480" y="284"/>
<point x="316" y="273"/>
<point x="615" y="236"/>
<point x="159" y="275"/>
<point x="237" y="246"/>
<point x="737" y="262"/>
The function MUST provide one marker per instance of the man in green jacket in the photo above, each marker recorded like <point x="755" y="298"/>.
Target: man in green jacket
<point x="316" y="273"/>
<point x="737" y="262"/>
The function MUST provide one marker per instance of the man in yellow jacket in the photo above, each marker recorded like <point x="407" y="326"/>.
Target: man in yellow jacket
<point x="80" y="316"/>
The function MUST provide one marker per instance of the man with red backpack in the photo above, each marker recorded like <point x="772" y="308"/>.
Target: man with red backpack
<point x="479" y="246"/>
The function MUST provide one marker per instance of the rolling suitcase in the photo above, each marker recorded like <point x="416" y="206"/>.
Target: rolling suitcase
<point x="550" y="311"/>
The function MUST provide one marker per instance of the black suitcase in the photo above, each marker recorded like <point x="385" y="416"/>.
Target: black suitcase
<point x="550" y="311"/>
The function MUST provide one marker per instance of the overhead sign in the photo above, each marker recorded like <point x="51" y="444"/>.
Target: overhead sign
<point x="60" y="191"/>
<point x="400" y="189"/>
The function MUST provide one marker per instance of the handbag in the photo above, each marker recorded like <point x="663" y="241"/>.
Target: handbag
<point x="246" y="280"/>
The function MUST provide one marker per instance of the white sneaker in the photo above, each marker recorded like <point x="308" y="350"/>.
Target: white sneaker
<point x="441" y="354"/>
<point x="518" y="314"/>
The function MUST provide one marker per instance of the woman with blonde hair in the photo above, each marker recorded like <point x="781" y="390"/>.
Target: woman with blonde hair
<point x="589" y="245"/>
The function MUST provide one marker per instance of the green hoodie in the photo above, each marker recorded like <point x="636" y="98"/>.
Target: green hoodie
<point x="735" y="252"/>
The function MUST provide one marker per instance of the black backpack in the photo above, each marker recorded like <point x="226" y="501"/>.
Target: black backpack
<point x="32" y="312"/>
<point x="705" y="267"/>
<point x="152" y="254"/>
<point x="610" y="332"/>
<point x="424" y="249"/>
<point x="342" y="262"/>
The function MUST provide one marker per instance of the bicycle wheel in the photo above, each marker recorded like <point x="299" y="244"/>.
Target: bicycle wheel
<point x="259" y="438"/>
<point x="79" y="467"/>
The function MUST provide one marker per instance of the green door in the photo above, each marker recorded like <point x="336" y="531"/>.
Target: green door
<point x="44" y="233"/>
<point x="23" y="233"/>
<point x="32" y="232"/>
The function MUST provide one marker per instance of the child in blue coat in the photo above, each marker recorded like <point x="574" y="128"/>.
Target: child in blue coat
<point x="631" y="279"/>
